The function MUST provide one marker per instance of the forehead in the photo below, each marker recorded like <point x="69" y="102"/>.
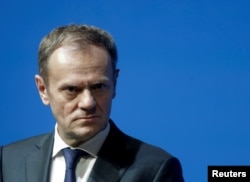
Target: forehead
<point x="71" y="60"/>
<point x="84" y="52"/>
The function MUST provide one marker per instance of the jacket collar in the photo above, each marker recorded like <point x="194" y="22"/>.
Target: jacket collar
<point x="116" y="154"/>
<point x="38" y="163"/>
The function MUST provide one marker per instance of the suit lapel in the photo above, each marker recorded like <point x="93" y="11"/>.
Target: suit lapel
<point x="116" y="154"/>
<point x="38" y="163"/>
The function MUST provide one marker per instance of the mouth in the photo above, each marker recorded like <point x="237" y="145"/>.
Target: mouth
<point x="86" y="118"/>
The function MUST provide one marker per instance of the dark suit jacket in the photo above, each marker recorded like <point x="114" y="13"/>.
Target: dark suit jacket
<point x="121" y="158"/>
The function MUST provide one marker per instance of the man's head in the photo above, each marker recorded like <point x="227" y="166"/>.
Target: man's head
<point x="80" y="35"/>
<point x="77" y="66"/>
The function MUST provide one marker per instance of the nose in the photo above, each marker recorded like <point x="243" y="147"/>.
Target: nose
<point x="86" y="101"/>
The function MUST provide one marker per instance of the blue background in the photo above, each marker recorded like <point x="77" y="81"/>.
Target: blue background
<point x="184" y="80"/>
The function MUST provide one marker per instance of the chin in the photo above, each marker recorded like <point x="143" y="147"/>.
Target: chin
<point x="85" y="133"/>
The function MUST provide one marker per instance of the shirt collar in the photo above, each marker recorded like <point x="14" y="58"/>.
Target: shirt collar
<point x="92" y="146"/>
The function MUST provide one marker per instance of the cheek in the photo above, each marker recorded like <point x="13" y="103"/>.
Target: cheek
<point x="68" y="108"/>
<point x="105" y="104"/>
<point x="61" y="109"/>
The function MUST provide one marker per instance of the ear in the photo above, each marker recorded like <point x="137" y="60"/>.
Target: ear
<point x="42" y="89"/>
<point x="116" y="74"/>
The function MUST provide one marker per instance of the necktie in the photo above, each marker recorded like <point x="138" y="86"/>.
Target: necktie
<point x="71" y="157"/>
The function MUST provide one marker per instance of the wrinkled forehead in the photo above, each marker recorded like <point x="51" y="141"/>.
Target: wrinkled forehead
<point x="72" y="54"/>
<point x="70" y="63"/>
<point x="83" y="47"/>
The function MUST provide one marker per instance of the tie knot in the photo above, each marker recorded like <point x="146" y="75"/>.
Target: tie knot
<point x="72" y="156"/>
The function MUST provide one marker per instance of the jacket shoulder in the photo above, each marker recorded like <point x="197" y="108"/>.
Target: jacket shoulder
<point x="142" y="161"/>
<point x="149" y="151"/>
<point x="119" y="143"/>
<point x="27" y="144"/>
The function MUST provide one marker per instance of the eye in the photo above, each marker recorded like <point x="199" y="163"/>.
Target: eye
<point x="99" y="87"/>
<point x="72" y="89"/>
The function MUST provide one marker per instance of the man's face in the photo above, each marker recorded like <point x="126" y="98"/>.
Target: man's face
<point x="80" y="88"/>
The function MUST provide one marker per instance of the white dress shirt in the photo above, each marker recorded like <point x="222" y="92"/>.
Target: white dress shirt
<point x="84" y="166"/>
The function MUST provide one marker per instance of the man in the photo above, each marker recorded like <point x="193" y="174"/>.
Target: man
<point x="77" y="79"/>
